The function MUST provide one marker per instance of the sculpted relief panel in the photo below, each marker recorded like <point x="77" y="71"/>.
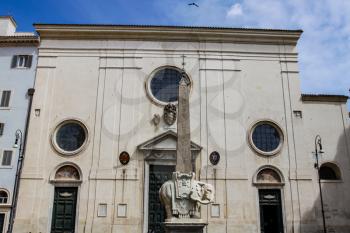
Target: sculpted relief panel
<point x="67" y="172"/>
<point x="268" y="176"/>
<point x="183" y="195"/>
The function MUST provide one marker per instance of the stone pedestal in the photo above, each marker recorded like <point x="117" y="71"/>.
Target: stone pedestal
<point x="184" y="226"/>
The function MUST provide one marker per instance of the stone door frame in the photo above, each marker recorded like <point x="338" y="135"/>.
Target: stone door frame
<point x="76" y="202"/>
<point x="283" y="217"/>
<point x="52" y="198"/>
<point x="264" y="185"/>
<point x="6" y="213"/>
<point x="160" y="150"/>
<point x="64" y="183"/>
<point x="146" y="186"/>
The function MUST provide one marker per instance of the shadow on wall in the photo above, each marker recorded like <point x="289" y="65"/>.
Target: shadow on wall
<point x="336" y="195"/>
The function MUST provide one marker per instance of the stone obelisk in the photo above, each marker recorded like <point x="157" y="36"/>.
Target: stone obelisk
<point x="182" y="195"/>
<point x="183" y="148"/>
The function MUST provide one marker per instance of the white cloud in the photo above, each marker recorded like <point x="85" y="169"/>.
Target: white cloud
<point x="235" y="10"/>
<point x="324" y="57"/>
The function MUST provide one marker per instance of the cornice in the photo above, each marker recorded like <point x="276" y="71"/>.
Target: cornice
<point x="167" y="33"/>
<point x="324" y="98"/>
<point x="6" y="41"/>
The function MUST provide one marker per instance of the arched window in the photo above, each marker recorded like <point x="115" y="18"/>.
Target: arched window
<point x="329" y="171"/>
<point x="3" y="197"/>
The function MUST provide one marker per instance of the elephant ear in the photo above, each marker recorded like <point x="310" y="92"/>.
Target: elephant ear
<point x="196" y="193"/>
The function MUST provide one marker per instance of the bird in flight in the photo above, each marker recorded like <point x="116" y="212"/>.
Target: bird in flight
<point x="193" y="4"/>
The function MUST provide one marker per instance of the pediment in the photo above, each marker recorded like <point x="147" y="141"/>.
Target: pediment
<point x="165" y="142"/>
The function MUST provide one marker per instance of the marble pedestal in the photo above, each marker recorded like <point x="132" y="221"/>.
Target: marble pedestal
<point x="184" y="227"/>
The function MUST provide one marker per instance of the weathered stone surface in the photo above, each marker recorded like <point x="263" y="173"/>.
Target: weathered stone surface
<point x="183" y="161"/>
<point x="182" y="196"/>
<point x="234" y="85"/>
<point x="184" y="227"/>
<point x="169" y="114"/>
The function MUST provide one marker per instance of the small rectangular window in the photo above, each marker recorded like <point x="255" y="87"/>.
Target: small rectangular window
<point x="22" y="61"/>
<point x="2" y="126"/>
<point x="5" y="98"/>
<point x="102" y="210"/>
<point x="6" y="158"/>
<point x="298" y="113"/>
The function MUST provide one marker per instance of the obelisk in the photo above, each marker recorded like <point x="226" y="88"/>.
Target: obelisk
<point x="180" y="195"/>
<point x="183" y="148"/>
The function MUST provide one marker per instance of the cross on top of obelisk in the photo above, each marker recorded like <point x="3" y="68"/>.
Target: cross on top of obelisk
<point x="183" y="150"/>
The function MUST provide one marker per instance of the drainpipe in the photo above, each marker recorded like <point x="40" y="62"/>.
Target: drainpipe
<point x="30" y="94"/>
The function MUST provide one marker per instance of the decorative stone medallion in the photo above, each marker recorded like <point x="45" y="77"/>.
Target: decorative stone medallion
<point x="214" y="157"/>
<point x="156" y="119"/>
<point x="169" y="115"/>
<point x="124" y="158"/>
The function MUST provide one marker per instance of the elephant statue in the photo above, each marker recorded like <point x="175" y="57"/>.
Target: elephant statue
<point x="183" y="195"/>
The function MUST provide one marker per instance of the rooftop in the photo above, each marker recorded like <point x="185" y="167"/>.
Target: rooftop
<point x="168" y="33"/>
<point x="324" y="98"/>
<point x="10" y="37"/>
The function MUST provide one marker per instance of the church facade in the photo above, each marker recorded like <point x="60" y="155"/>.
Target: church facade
<point x="102" y="135"/>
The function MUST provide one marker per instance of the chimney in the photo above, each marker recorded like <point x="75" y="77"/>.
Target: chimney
<point x="7" y="26"/>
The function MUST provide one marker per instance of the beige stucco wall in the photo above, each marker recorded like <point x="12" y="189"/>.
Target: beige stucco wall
<point x="102" y="83"/>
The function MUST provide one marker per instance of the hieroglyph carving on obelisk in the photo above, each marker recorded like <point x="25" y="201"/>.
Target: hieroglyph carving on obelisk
<point x="181" y="195"/>
<point x="183" y="148"/>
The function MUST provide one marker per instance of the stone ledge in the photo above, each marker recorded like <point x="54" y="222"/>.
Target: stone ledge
<point x="184" y="225"/>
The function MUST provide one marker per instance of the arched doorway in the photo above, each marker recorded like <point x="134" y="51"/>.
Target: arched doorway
<point x="269" y="181"/>
<point x="66" y="180"/>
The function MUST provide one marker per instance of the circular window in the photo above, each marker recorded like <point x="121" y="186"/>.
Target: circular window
<point x="266" y="138"/>
<point x="69" y="137"/>
<point x="163" y="85"/>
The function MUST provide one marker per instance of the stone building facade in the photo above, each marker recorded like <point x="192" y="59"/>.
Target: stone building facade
<point x="101" y="141"/>
<point x="17" y="72"/>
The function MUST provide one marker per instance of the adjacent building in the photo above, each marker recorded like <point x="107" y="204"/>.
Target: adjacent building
<point x="102" y="135"/>
<point x="17" y="72"/>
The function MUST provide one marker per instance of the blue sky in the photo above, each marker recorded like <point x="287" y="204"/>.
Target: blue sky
<point x="324" y="57"/>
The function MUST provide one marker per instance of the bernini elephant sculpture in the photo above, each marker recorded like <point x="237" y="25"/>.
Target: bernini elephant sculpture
<point x="185" y="203"/>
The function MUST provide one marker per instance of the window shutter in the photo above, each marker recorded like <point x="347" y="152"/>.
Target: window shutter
<point x="5" y="99"/>
<point x="2" y="126"/>
<point x="6" y="158"/>
<point x="29" y="61"/>
<point x="14" y="61"/>
<point x="2" y="100"/>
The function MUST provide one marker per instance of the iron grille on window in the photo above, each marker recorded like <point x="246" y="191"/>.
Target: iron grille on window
<point x="70" y="136"/>
<point x="3" y="197"/>
<point x="6" y="158"/>
<point x="5" y="98"/>
<point x="266" y="137"/>
<point x="165" y="84"/>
